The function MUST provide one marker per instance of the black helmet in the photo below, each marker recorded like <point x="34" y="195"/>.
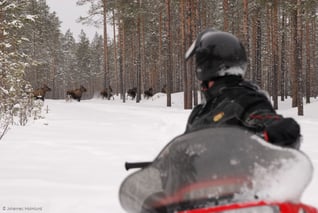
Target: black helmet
<point x="217" y="54"/>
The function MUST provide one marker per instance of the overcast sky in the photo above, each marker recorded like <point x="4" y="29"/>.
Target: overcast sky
<point x="68" y="12"/>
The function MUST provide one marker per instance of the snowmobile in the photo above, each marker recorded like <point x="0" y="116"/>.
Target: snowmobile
<point x="219" y="170"/>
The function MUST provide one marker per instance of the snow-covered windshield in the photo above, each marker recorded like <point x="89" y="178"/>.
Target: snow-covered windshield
<point x="214" y="166"/>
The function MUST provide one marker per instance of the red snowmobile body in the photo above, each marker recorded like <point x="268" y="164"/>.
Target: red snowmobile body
<point x="220" y="170"/>
<point x="259" y="207"/>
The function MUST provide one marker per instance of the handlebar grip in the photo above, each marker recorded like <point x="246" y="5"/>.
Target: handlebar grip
<point x="135" y="165"/>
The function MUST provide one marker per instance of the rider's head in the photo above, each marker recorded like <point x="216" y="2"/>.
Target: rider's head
<point x="217" y="54"/>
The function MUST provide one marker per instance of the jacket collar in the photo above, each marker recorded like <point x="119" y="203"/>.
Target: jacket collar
<point x="220" y="84"/>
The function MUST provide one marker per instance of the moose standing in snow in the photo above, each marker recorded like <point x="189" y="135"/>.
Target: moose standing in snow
<point x="40" y="92"/>
<point x="76" y="93"/>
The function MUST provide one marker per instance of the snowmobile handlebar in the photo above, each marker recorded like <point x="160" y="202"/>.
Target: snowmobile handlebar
<point x="135" y="165"/>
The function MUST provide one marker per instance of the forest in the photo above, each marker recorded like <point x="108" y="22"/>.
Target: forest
<point x="147" y="47"/>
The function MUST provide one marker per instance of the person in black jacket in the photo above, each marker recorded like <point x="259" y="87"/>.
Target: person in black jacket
<point x="230" y="100"/>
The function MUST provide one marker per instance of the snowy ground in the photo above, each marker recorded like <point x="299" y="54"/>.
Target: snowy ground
<point x="72" y="160"/>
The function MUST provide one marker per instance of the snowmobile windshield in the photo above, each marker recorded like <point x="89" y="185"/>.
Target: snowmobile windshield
<point x="216" y="166"/>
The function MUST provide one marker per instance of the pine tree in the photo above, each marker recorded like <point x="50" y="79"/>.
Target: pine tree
<point x="67" y="63"/>
<point x="96" y="68"/>
<point x="83" y="59"/>
<point x="15" y="100"/>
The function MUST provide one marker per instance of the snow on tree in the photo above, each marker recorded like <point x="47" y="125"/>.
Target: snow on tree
<point x="15" y="101"/>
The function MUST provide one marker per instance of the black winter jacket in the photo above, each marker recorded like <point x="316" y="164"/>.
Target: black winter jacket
<point x="234" y="101"/>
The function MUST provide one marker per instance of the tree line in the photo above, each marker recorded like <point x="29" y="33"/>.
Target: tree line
<point x="147" y="47"/>
<point x="152" y="36"/>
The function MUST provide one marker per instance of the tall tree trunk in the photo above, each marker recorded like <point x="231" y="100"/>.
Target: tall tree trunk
<point x="226" y="15"/>
<point x="314" y="55"/>
<point x="275" y="53"/>
<point x="138" y="98"/>
<point x="115" y="51"/>
<point x="256" y="73"/>
<point x="294" y="57"/>
<point x="193" y="31"/>
<point x="121" y="58"/>
<point x="298" y="55"/>
<point x="160" y="58"/>
<point x="183" y="49"/>
<point x="308" y="62"/>
<point x="283" y="51"/>
<point x="169" y="55"/>
<point x="268" y="59"/>
<point x="246" y="35"/>
<point x="106" y="65"/>
<point x="197" y="29"/>
<point x="2" y="30"/>
<point x="187" y="74"/>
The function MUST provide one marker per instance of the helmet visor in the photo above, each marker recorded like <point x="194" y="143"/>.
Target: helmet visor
<point x="191" y="50"/>
<point x="196" y="43"/>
